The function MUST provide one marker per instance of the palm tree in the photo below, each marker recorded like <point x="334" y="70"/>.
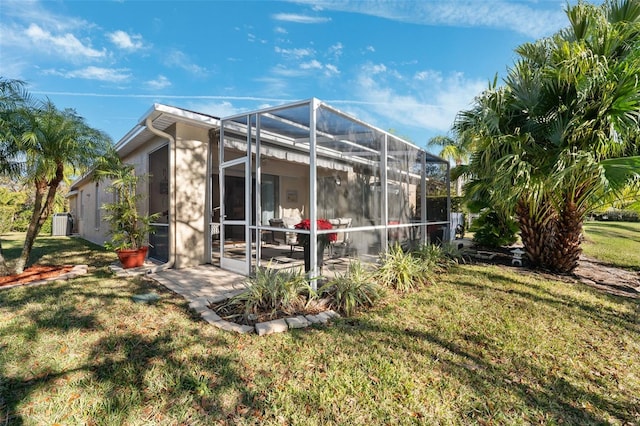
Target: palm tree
<point x="49" y="145"/>
<point x="13" y="98"/>
<point x="452" y="150"/>
<point x="567" y="114"/>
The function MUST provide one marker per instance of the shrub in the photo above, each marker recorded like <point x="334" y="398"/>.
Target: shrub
<point x="439" y="256"/>
<point x="47" y="226"/>
<point x="271" y="292"/>
<point x="431" y="255"/>
<point x="617" y="215"/>
<point x="7" y="214"/>
<point x="492" y="230"/>
<point x="352" y="290"/>
<point x="401" y="271"/>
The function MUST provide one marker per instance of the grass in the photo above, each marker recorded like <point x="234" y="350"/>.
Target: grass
<point x="483" y="345"/>
<point x="57" y="251"/>
<point x="615" y="243"/>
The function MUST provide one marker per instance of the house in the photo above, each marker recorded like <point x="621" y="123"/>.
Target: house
<point x="229" y="191"/>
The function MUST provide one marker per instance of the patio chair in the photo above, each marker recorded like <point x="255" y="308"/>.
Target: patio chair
<point x="342" y="241"/>
<point x="283" y="237"/>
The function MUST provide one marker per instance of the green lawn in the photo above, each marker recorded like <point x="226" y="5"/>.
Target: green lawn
<point x="616" y="243"/>
<point x="482" y="346"/>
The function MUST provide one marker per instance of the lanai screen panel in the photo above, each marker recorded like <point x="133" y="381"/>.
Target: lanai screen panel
<point x="380" y="184"/>
<point x="348" y="178"/>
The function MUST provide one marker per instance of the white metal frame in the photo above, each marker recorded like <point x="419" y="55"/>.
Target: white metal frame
<point x="246" y="123"/>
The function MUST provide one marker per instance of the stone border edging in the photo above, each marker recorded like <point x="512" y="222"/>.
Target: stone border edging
<point x="201" y="306"/>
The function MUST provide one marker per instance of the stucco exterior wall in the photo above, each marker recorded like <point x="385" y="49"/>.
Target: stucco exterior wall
<point x="88" y="215"/>
<point x="190" y="194"/>
<point x="87" y="211"/>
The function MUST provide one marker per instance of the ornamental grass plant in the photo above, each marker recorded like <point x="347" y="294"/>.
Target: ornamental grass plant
<point x="269" y="294"/>
<point x="402" y="271"/>
<point x="353" y="290"/>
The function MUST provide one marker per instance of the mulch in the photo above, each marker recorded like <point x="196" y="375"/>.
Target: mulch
<point x="595" y="274"/>
<point x="35" y="273"/>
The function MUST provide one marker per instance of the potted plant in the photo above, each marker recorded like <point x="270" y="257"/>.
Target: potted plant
<point x="129" y="229"/>
<point x="323" y="241"/>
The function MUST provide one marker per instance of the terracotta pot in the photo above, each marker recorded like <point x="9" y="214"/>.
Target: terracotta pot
<point x="132" y="258"/>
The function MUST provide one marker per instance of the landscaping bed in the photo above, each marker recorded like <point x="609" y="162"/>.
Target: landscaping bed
<point x="35" y="273"/>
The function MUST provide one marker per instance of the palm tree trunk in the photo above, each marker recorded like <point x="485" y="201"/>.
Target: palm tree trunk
<point x="41" y="212"/>
<point x="534" y="224"/>
<point x="563" y="250"/>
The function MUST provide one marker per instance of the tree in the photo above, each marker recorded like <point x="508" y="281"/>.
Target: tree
<point x="453" y="150"/>
<point x="556" y="136"/>
<point x="13" y="99"/>
<point x="44" y="145"/>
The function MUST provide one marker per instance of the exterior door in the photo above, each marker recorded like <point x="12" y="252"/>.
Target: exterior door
<point x="235" y="238"/>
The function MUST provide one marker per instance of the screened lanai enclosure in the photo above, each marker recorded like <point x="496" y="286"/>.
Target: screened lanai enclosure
<point x="276" y="167"/>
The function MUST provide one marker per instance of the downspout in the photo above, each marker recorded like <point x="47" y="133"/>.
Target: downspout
<point x="172" y="190"/>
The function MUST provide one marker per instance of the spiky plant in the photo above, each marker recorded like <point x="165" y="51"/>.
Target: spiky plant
<point x="354" y="289"/>
<point x="272" y="291"/>
<point x="401" y="270"/>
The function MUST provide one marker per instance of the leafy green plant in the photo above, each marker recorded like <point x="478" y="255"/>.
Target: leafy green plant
<point x="431" y="255"/>
<point x="272" y="291"/>
<point x="439" y="255"/>
<point x="354" y="289"/>
<point x="401" y="270"/>
<point x="130" y="229"/>
<point x="492" y="230"/>
<point x="617" y="215"/>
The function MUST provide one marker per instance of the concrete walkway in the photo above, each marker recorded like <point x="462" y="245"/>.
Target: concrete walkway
<point x="205" y="284"/>
<point x="201" y="281"/>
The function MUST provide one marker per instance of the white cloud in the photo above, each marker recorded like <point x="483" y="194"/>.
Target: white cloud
<point x="374" y="68"/>
<point x="284" y="71"/>
<point x="113" y="75"/>
<point x="534" y="19"/>
<point x="275" y="86"/>
<point x="331" y="70"/>
<point x="370" y="49"/>
<point x="178" y="59"/>
<point x="311" y="65"/>
<point x="66" y="44"/>
<point x="217" y="109"/>
<point x="30" y="11"/>
<point x="336" y="50"/>
<point x="432" y="75"/>
<point x="252" y="38"/>
<point x="126" y="41"/>
<point x="13" y="67"/>
<point x="300" y="19"/>
<point x="280" y="30"/>
<point x="305" y="69"/>
<point x="161" y="82"/>
<point x="431" y="102"/>
<point x="295" y="53"/>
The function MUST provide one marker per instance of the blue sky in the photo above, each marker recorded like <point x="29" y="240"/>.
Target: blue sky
<point x="404" y="65"/>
